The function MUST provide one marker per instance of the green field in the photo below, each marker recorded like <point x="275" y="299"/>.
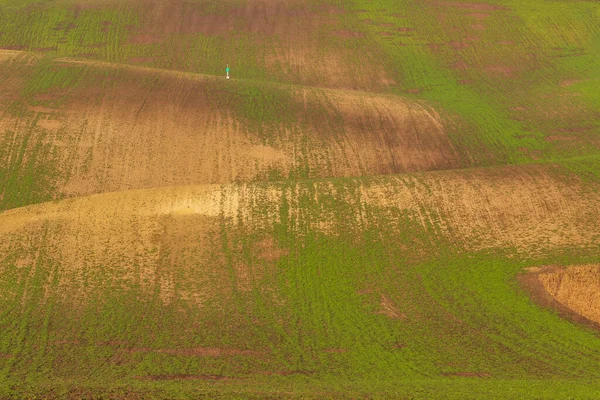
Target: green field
<point x="352" y="215"/>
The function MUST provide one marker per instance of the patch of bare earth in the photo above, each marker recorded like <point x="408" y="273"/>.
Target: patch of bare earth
<point x="574" y="291"/>
<point x="501" y="71"/>
<point x="389" y="309"/>
<point x="348" y="34"/>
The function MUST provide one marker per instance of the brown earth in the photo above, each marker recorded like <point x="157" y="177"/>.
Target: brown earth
<point x="503" y="71"/>
<point x="574" y="291"/>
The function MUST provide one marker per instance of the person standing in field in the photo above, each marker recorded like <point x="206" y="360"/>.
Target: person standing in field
<point x="227" y="71"/>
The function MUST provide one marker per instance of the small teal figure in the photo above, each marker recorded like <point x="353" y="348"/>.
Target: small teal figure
<point x="227" y="71"/>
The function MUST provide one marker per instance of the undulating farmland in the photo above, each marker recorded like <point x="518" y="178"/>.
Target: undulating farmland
<point x="388" y="199"/>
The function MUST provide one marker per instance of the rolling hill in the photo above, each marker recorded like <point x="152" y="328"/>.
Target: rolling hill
<point x="389" y="199"/>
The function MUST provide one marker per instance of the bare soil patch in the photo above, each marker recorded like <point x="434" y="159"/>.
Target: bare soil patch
<point x="269" y="250"/>
<point x="458" y="45"/>
<point x="574" y="291"/>
<point x="461" y="65"/>
<point x="569" y="82"/>
<point x="502" y="71"/>
<point x="479" y="15"/>
<point x="145" y="38"/>
<point x="389" y="309"/>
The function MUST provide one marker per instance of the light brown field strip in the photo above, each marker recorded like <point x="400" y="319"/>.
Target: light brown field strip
<point x="524" y="208"/>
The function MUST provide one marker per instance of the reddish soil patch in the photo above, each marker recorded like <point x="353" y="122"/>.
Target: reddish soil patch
<point x="458" y="45"/>
<point x="387" y="25"/>
<point x="145" y="38"/>
<point x="17" y="47"/>
<point x="349" y="34"/>
<point x="461" y="65"/>
<point x="44" y="49"/>
<point x="270" y="251"/>
<point x="405" y="30"/>
<point x="479" y="15"/>
<point x="434" y="47"/>
<point x="569" y="82"/>
<point x="385" y="34"/>
<point x="558" y="138"/>
<point x="329" y="9"/>
<point x="264" y="17"/>
<point x="497" y="70"/>
<point x="479" y="27"/>
<point x="465" y="82"/>
<point x="87" y="55"/>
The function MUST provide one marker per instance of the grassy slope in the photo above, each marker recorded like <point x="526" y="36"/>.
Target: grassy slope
<point x="460" y="312"/>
